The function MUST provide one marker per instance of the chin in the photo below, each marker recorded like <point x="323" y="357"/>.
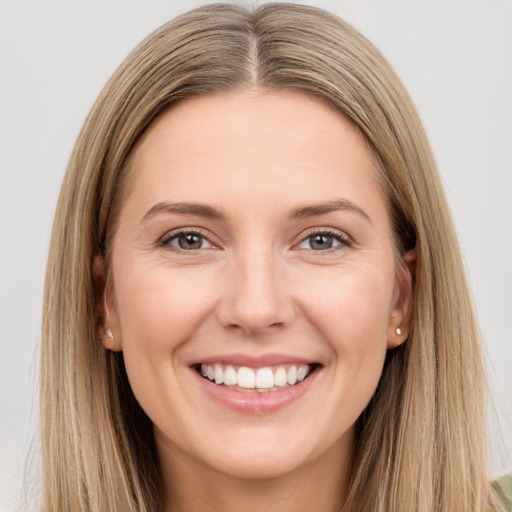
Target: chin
<point x="262" y="457"/>
<point x="270" y="467"/>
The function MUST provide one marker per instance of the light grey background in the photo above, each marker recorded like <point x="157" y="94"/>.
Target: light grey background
<point x="454" y="56"/>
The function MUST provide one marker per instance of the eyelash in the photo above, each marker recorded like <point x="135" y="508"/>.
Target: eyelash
<point x="343" y="239"/>
<point x="174" y="235"/>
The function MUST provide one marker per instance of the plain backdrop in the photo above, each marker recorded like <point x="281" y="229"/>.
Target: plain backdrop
<point x="455" y="57"/>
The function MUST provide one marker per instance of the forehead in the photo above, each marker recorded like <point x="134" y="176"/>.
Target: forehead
<point x="213" y="147"/>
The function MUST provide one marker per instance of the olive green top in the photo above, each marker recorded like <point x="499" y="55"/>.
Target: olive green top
<point x="503" y="488"/>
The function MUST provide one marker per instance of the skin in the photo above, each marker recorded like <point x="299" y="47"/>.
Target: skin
<point x="256" y="286"/>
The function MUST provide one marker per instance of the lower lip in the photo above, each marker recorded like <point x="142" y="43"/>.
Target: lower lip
<point x="253" y="401"/>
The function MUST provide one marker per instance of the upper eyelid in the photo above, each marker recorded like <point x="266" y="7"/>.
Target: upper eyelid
<point x="329" y="231"/>
<point x="169" y="235"/>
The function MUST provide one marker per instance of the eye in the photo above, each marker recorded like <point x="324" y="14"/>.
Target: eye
<point x="186" y="241"/>
<point x="323" y="241"/>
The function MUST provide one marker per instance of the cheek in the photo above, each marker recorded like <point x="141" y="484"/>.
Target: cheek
<point x="350" y="305"/>
<point x="351" y="312"/>
<point x="159" y="309"/>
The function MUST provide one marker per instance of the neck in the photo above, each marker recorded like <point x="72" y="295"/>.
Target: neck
<point x="190" y="486"/>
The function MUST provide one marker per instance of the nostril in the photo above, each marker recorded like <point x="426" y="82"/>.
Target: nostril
<point x="255" y="324"/>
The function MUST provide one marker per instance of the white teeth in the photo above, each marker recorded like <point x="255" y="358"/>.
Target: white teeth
<point x="291" y="376"/>
<point x="261" y="379"/>
<point x="246" y="377"/>
<point x="302" y="372"/>
<point x="265" y="378"/>
<point x="230" y="376"/>
<point x="280" y="377"/>
<point x="218" y="374"/>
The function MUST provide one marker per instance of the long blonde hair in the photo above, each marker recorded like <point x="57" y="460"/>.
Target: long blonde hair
<point x="420" y="443"/>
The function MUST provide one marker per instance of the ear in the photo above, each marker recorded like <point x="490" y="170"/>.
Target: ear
<point x="108" y="325"/>
<point x="399" y="325"/>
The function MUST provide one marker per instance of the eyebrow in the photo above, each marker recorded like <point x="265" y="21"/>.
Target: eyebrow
<point x="196" y="209"/>
<point x="302" y="211"/>
<point x="312" y="210"/>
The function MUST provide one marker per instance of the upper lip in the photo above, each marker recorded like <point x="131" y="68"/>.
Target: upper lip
<point x="253" y="361"/>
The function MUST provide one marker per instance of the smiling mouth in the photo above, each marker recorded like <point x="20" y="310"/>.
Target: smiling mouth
<point x="262" y="380"/>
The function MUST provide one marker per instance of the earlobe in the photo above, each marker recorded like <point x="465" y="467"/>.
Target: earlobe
<point x="110" y="342"/>
<point x="107" y="318"/>
<point x="400" y="319"/>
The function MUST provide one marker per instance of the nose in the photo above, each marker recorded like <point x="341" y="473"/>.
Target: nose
<point x="256" y="297"/>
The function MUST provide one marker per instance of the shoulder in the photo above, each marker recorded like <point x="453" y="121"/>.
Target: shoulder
<point x="503" y="489"/>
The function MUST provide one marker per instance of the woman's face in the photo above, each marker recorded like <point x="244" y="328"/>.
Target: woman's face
<point x="255" y="284"/>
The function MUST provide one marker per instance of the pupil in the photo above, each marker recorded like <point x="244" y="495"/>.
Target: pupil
<point x="190" y="241"/>
<point x="321" y="242"/>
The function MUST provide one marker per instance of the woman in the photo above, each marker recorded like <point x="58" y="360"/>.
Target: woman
<point x="254" y="294"/>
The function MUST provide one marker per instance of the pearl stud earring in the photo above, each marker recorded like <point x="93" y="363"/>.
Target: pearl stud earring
<point x="398" y="331"/>
<point x="109" y="335"/>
